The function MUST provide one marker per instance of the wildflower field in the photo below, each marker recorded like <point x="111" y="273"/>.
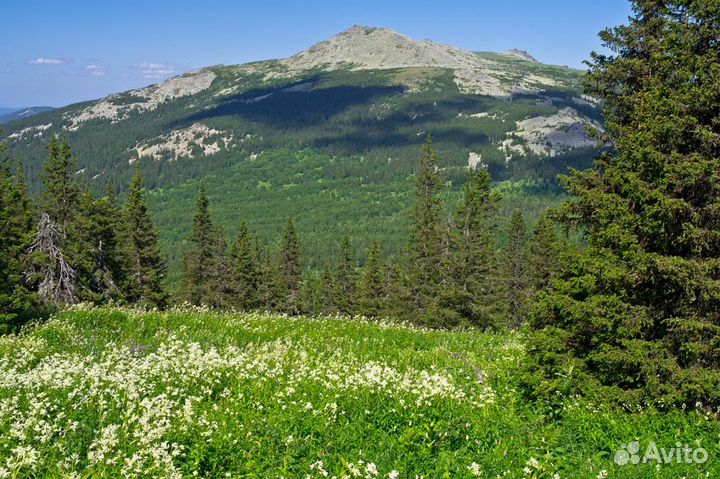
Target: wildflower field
<point x="106" y="393"/>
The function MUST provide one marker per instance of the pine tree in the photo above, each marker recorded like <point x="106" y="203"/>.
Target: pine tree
<point x="15" y="231"/>
<point x="246" y="270"/>
<point x="635" y="317"/>
<point x="345" y="279"/>
<point x="290" y="271"/>
<point x="144" y="266"/>
<point x="203" y="280"/>
<point x="61" y="195"/>
<point x="515" y="270"/>
<point x="372" y="285"/>
<point x="425" y="236"/>
<point x="471" y="289"/>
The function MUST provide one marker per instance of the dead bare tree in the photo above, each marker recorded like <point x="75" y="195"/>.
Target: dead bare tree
<point x="46" y="264"/>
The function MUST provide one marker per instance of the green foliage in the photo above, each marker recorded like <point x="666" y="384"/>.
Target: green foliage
<point x="245" y="267"/>
<point x="289" y="271"/>
<point x="145" y="265"/>
<point x="205" y="274"/>
<point x="345" y="280"/>
<point x="61" y="193"/>
<point x="635" y="317"/>
<point x="470" y="292"/>
<point x="515" y="270"/>
<point x="425" y="236"/>
<point x="371" y="297"/>
<point x="16" y="222"/>
<point x="256" y="395"/>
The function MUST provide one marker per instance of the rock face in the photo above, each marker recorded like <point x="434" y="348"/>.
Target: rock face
<point x="183" y="142"/>
<point x="550" y="135"/>
<point x="369" y="48"/>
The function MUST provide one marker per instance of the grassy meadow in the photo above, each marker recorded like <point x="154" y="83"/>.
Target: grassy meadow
<point x="114" y="393"/>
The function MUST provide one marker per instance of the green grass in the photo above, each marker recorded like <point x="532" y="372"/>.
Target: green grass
<point x="115" y="393"/>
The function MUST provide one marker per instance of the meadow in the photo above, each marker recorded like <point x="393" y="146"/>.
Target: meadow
<point x="106" y="393"/>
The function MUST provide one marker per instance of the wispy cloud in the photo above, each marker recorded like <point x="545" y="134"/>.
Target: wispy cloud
<point x="96" y="70"/>
<point x="156" y="70"/>
<point x="47" y="61"/>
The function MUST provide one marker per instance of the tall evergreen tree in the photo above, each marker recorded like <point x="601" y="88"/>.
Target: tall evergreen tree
<point x="636" y="318"/>
<point x="425" y="236"/>
<point x="328" y="292"/>
<point x="246" y="270"/>
<point x="15" y="230"/>
<point x="544" y="254"/>
<point x="268" y="287"/>
<point x="372" y="285"/>
<point x="203" y="280"/>
<point x="345" y="279"/>
<point x="290" y="271"/>
<point x="97" y="258"/>
<point x="145" y="267"/>
<point x="61" y="195"/>
<point x="471" y="289"/>
<point x="515" y="270"/>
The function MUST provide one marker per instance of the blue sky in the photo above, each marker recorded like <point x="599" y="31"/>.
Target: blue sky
<point x="56" y="52"/>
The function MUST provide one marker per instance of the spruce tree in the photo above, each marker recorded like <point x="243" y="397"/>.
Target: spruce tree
<point x="204" y="274"/>
<point x="15" y="231"/>
<point x="345" y="279"/>
<point x="97" y="258"/>
<point x="245" y="270"/>
<point x="515" y="270"/>
<point x="635" y="317"/>
<point x="289" y="269"/>
<point x="328" y="292"/>
<point x="61" y="195"/>
<point x="372" y="284"/>
<point x="268" y="287"/>
<point x="425" y="236"/>
<point x="544" y="254"/>
<point x="471" y="290"/>
<point x="144" y="265"/>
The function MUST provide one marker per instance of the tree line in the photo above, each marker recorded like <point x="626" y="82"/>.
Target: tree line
<point x="69" y="246"/>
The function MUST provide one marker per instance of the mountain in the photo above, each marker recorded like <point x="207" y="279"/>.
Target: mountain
<point x="11" y="114"/>
<point x="329" y="135"/>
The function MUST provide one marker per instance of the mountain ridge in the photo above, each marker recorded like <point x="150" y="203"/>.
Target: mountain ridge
<point x="294" y="133"/>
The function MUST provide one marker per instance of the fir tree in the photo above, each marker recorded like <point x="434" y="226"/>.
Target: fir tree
<point x="544" y="254"/>
<point x="345" y="279"/>
<point x="204" y="271"/>
<point x="268" y="294"/>
<point x="61" y="195"/>
<point x="471" y="289"/>
<point x="96" y="254"/>
<point x="425" y="236"/>
<point x="635" y="317"/>
<point x="15" y="231"/>
<point x="144" y="265"/>
<point x="246" y="270"/>
<point x="328" y="292"/>
<point x="372" y="285"/>
<point x="515" y="270"/>
<point x="290" y="271"/>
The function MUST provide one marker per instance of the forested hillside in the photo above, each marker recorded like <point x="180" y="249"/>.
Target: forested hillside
<point x="333" y="131"/>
